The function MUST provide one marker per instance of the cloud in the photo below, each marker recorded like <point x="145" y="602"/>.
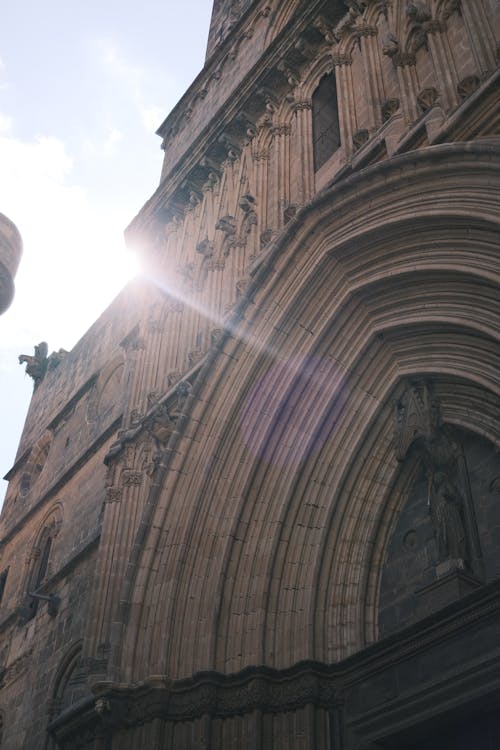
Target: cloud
<point x="73" y="260"/>
<point x="107" y="148"/>
<point x="152" y="117"/>
<point x="4" y="84"/>
<point x="5" y="123"/>
<point x="137" y="81"/>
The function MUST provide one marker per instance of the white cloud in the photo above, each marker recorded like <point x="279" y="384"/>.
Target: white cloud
<point x="152" y="117"/>
<point x="106" y="148"/>
<point x="136" y="81"/>
<point x="73" y="263"/>
<point x="5" y="123"/>
<point x="4" y="84"/>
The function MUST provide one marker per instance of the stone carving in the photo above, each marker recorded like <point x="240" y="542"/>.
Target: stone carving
<point x="418" y="11"/>
<point x="194" y="356"/>
<point x="418" y="428"/>
<point x="172" y="377"/>
<point x="36" y="365"/>
<point x="289" y="72"/>
<point x="161" y="424"/>
<point x="212" y="182"/>
<point x="113" y="494"/>
<point x="446" y="8"/>
<point x="247" y="204"/>
<point x="360" y="138"/>
<point x="131" y="478"/>
<point x="467" y="86"/>
<point x="427" y="98"/>
<point x="392" y="48"/>
<point x="227" y="225"/>
<point x="182" y="393"/>
<point x="153" y="398"/>
<point x="390" y="45"/>
<point x="216" y="335"/>
<point x="326" y="30"/>
<point x="242" y="286"/>
<point x="265" y="237"/>
<point x="446" y="506"/>
<point x="206" y="249"/>
<point x="389" y="108"/>
<point x="289" y="213"/>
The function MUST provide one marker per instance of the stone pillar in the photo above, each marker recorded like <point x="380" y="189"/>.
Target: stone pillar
<point x="408" y="87"/>
<point x="370" y="51"/>
<point x="444" y="64"/>
<point x="480" y="33"/>
<point x="346" y="101"/>
<point x="281" y="168"/>
<point x="305" y="178"/>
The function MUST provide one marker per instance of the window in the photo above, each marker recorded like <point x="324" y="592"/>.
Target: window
<point x="3" y="581"/>
<point x="326" y="130"/>
<point x="38" y="576"/>
<point x="40" y="562"/>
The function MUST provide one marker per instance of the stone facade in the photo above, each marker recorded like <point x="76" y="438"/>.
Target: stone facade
<point x="257" y="505"/>
<point x="10" y="254"/>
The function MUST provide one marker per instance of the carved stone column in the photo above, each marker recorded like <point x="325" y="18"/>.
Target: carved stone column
<point x="346" y="101"/>
<point x="444" y="64"/>
<point x="482" y="40"/>
<point x="408" y="86"/>
<point x="370" y="51"/>
<point x="304" y="134"/>
<point x="281" y="167"/>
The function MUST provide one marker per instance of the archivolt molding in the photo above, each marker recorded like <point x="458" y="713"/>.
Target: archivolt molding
<point x="321" y="66"/>
<point x="48" y="528"/>
<point x="323" y="297"/>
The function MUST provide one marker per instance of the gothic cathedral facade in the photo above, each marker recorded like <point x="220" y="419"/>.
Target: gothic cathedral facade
<point x="257" y="506"/>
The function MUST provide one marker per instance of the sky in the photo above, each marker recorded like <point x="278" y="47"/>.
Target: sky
<point x="84" y="84"/>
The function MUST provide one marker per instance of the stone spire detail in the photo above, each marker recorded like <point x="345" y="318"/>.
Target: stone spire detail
<point x="225" y="14"/>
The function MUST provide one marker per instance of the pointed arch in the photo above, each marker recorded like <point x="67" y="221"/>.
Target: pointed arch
<point x="291" y="422"/>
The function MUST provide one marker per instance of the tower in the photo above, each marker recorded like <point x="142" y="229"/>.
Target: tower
<point x="258" y="502"/>
<point x="10" y="255"/>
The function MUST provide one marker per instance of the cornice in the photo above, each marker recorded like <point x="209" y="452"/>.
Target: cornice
<point x="229" y="125"/>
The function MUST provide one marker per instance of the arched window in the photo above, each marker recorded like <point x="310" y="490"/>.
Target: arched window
<point x="39" y="560"/>
<point x="326" y="130"/>
<point x="39" y="574"/>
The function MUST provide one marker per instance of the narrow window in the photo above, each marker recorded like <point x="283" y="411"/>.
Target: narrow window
<point x="3" y="581"/>
<point x="39" y="575"/>
<point x="326" y="130"/>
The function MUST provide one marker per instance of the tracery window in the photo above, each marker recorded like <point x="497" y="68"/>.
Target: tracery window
<point x="326" y="129"/>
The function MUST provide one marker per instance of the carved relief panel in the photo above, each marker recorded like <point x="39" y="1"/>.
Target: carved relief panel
<point x="446" y="538"/>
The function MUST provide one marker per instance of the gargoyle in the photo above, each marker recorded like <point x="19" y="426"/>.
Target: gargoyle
<point x="36" y="366"/>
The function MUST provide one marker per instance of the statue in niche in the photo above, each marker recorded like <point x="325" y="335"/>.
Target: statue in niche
<point x="446" y="507"/>
<point x="418" y="428"/>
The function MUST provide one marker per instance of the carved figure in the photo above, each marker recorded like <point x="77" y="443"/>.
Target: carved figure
<point x="36" y="366"/>
<point x="446" y="507"/>
<point x="418" y="428"/>
<point x="227" y="225"/>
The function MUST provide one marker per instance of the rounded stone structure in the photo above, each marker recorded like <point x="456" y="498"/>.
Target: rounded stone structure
<point x="11" y="248"/>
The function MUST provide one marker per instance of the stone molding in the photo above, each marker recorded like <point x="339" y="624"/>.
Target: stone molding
<point x="333" y="687"/>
